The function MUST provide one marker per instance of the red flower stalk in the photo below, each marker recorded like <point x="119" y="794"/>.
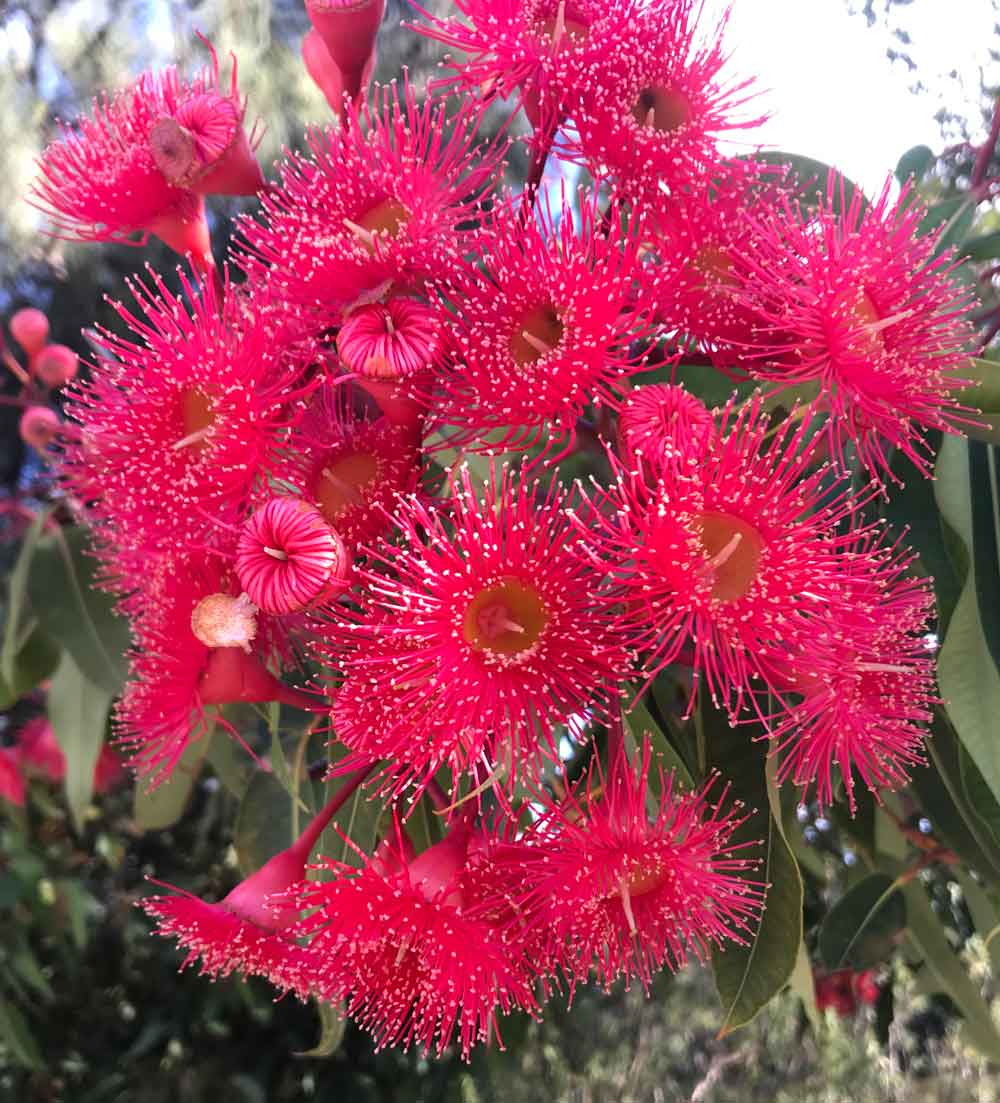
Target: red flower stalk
<point x="404" y="945"/>
<point x="352" y="470"/>
<point x="30" y="329"/>
<point x="55" y="365"/>
<point x="380" y="201"/>
<point x="479" y="630"/>
<point x="180" y="414"/>
<point x="863" y="683"/>
<point x="348" y="29"/>
<point x="540" y="329"/>
<point x="663" y="420"/>
<point x="144" y="161"/>
<point x="250" y="931"/>
<point x="175" y="676"/>
<point x="625" y="895"/>
<point x="650" y="109"/>
<point x="852" y="299"/>
<point x="289" y="557"/>
<point x="733" y="550"/>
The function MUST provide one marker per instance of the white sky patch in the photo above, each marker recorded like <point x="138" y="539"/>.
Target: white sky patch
<point x="834" y="94"/>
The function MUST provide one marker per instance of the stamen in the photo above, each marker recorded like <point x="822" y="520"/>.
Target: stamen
<point x="882" y="668"/>
<point x="191" y="438"/>
<point x="361" y="233"/>
<point x="403" y="947"/>
<point x="727" y="552"/>
<point x="650" y="118"/>
<point x="350" y="492"/>
<point x="560" y="26"/>
<point x="536" y="343"/>
<point x="626" y="904"/>
<point x="276" y="553"/>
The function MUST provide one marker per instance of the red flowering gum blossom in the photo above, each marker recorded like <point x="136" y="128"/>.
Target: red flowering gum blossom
<point x="651" y="108"/>
<point x="39" y="426"/>
<point x="481" y="628"/>
<point x="351" y="469"/>
<point x="145" y="160"/>
<point x="175" y="676"/>
<point x="539" y="329"/>
<point x="179" y="416"/>
<point x="405" y="946"/>
<point x="695" y="238"/>
<point x="380" y="200"/>
<point x="249" y="930"/>
<point x="843" y="990"/>
<point x="860" y="693"/>
<point x="626" y="895"/>
<point x="289" y="557"/>
<point x="55" y="365"/>
<point x="39" y="753"/>
<point x="12" y="787"/>
<point x="348" y="29"/>
<point x="663" y="420"/>
<point x="537" y="48"/>
<point x="30" y="329"/>
<point x="733" y="549"/>
<point x="853" y="300"/>
<point x="393" y="347"/>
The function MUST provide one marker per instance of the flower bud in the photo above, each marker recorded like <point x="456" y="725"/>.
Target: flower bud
<point x="30" y="329"/>
<point x="55" y="365"/>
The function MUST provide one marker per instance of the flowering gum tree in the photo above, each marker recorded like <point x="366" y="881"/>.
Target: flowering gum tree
<point x="436" y="460"/>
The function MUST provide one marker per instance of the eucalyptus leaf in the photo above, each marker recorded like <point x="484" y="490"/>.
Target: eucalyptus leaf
<point x="862" y="928"/>
<point x="17" y="592"/>
<point x="78" y="712"/>
<point x="748" y="976"/>
<point x="332" y="1026"/>
<point x="17" y="1038"/>
<point x="159" y="808"/>
<point x="61" y="588"/>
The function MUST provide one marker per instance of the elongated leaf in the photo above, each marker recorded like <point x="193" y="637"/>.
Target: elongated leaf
<point x="72" y="612"/>
<point x="914" y="162"/>
<point x="36" y="659"/>
<point x="78" y="711"/>
<point x="640" y="723"/>
<point x="17" y="591"/>
<point x="162" y="807"/>
<point x="17" y="1039"/>
<point x="967" y="673"/>
<point x="984" y="554"/>
<point x="803" y="985"/>
<point x="263" y="822"/>
<point x="982" y="246"/>
<point x="812" y="177"/>
<point x="862" y="928"/>
<point x="983" y="395"/>
<point x="948" y="973"/>
<point x="748" y="977"/>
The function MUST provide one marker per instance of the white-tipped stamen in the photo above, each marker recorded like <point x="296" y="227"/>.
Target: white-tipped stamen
<point x="276" y="553"/>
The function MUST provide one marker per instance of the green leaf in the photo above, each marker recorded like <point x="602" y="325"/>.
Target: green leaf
<point x="640" y="722"/>
<point x="803" y="985"/>
<point x="951" y="218"/>
<point x="983" y="394"/>
<point x="984" y="916"/>
<point x="159" y="808"/>
<point x="263" y="823"/>
<point x="982" y="247"/>
<point x="967" y="673"/>
<point x="17" y="590"/>
<point x="332" y="1024"/>
<point x="915" y="162"/>
<point x="812" y="177"/>
<point x="979" y="796"/>
<point x="78" y="712"/>
<point x="748" y="976"/>
<point x="862" y="928"/>
<point x="17" y="1039"/>
<point x="948" y="973"/>
<point x="985" y="557"/>
<point x="36" y="659"/>
<point x="60" y="587"/>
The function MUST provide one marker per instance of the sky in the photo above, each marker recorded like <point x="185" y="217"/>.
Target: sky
<point x="834" y="94"/>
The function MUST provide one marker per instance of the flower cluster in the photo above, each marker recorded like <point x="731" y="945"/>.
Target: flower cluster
<point x="270" y="467"/>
